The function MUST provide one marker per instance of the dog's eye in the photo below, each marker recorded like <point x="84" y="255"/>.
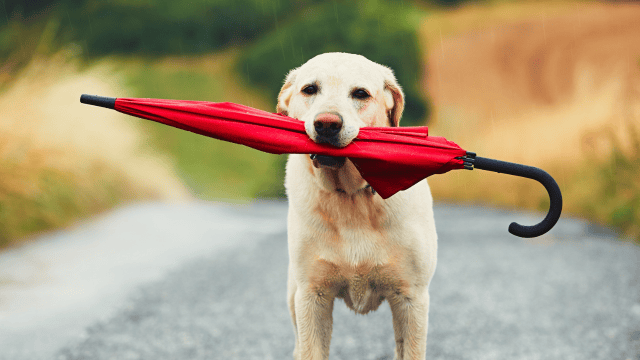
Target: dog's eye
<point x="310" y="89"/>
<point x="360" y="94"/>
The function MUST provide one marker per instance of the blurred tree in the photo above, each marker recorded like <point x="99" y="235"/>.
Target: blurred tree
<point x="383" y="31"/>
<point x="171" y="27"/>
<point x="161" y="27"/>
<point x="133" y="27"/>
<point x="22" y="9"/>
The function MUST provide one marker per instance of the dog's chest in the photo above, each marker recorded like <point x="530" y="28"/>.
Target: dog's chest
<point x="355" y="260"/>
<point x="363" y="287"/>
<point x="341" y="214"/>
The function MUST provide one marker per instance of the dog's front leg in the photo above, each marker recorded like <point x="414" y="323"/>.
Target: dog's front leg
<point x="314" y="323"/>
<point x="410" y="323"/>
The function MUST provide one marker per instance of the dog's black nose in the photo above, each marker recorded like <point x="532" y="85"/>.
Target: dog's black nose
<point x="328" y="125"/>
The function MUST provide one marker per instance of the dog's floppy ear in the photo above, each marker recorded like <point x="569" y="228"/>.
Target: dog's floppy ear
<point x="394" y="98"/>
<point x="286" y="92"/>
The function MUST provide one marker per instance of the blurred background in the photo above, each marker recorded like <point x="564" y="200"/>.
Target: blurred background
<point x="551" y="84"/>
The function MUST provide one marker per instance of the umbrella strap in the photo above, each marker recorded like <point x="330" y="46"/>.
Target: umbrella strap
<point x="468" y="160"/>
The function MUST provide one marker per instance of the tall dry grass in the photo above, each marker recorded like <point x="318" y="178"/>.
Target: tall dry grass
<point x="564" y="140"/>
<point x="550" y="84"/>
<point x="60" y="160"/>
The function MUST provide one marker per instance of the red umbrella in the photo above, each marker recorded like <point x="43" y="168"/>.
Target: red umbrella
<point x="389" y="159"/>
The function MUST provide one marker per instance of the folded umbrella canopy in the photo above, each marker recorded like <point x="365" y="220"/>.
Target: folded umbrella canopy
<point x="389" y="159"/>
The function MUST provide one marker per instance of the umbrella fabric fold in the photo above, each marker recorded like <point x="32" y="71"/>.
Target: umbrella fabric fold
<point x="389" y="159"/>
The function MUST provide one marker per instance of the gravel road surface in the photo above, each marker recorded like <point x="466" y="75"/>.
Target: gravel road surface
<point x="208" y="281"/>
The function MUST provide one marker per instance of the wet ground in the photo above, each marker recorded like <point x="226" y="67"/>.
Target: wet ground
<point x="208" y="281"/>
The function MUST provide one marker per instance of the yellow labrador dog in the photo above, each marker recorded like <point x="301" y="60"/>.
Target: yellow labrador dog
<point x="345" y="241"/>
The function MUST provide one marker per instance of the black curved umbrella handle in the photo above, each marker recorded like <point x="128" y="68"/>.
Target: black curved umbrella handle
<point x="530" y="172"/>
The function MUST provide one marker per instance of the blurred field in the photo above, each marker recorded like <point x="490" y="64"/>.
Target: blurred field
<point x="554" y="85"/>
<point x="545" y="83"/>
<point x="60" y="161"/>
<point x="212" y="169"/>
<point x="164" y="49"/>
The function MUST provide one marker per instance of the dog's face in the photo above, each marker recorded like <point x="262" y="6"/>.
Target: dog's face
<point x="336" y="94"/>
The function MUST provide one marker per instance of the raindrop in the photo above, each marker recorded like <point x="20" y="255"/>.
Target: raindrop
<point x="70" y="23"/>
<point x="275" y="17"/>
<point x="293" y="49"/>
<point x="89" y="20"/>
<point x="441" y="43"/>
<point x="282" y="48"/>
<point x="544" y="30"/>
<point x="4" y="4"/>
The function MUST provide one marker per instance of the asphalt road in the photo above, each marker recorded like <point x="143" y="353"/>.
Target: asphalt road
<point x="208" y="281"/>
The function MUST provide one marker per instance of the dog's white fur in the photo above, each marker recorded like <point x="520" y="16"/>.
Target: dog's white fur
<point x="345" y="241"/>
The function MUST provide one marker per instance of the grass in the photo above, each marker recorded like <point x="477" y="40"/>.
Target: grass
<point x="608" y="190"/>
<point x="61" y="161"/>
<point x="36" y="198"/>
<point x="212" y="169"/>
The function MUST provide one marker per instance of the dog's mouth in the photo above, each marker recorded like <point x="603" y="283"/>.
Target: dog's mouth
<point x="331" y="162"/>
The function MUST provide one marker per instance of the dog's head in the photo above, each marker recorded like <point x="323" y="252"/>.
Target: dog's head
<point x="336" y="94"/>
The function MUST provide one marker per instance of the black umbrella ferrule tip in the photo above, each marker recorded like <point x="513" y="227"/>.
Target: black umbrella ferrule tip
<point x="102" y="101"/>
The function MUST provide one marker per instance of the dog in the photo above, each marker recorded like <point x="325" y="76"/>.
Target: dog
<point x="344" y="240"/>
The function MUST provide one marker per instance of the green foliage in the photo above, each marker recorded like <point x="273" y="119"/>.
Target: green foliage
<point x="383" y="31"/>
<point x="25" y="10"/>
<point x="212" y="169"/>
<point x="138" y="27"/>
<point x="169" y="27"/>
<point x="616" y="199"/>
